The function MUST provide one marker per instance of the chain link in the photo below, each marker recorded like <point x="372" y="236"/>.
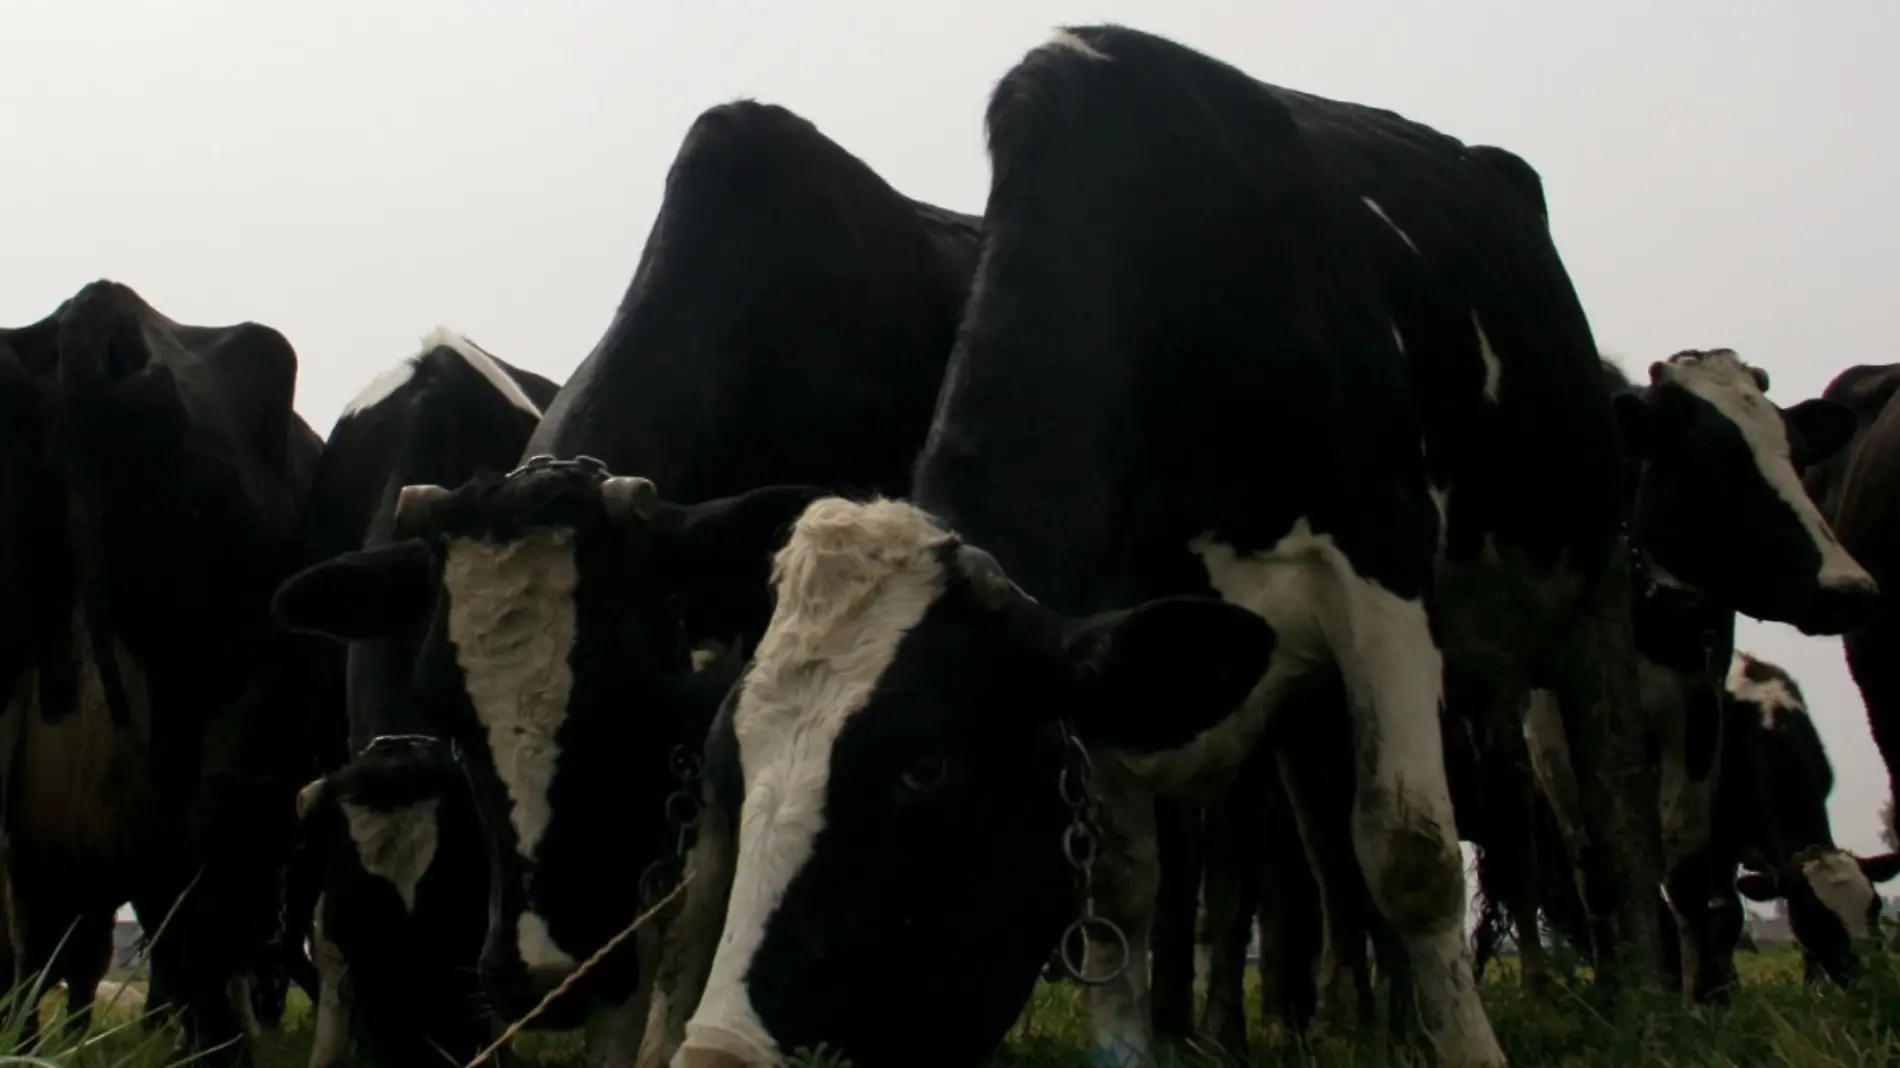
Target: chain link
<point x="682" y="810"/>
<point x="1081" y="843"/>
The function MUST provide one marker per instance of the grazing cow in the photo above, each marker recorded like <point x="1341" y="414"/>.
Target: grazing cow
<point x="1776" y="778"/>
<point x="789" y="319"/>
<point x="1856" y="492"/>
<point x="154" y="736"/>
<point x="404" y="868"/>
<point x="1331" y="369"/>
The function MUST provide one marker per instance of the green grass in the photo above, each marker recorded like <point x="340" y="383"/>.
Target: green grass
<point x="1774" y="1020"/>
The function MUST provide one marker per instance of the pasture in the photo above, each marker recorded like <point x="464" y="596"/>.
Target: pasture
<point x="1774" y="1021"/>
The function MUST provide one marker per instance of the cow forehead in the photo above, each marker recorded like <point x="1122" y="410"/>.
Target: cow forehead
<point x="1771" y="695"/>
<point x="851" y="580"/>
<point x="512" y="621"/>
<point x="1721" y="379"/>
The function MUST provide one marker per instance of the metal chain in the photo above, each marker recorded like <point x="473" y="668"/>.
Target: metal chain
<point x="545" y="462"/>
<point x="1081" y="841"/>
<point x="682" y="810"/>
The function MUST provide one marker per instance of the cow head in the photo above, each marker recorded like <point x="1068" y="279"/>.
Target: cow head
<point x="405" y="888"/>
<point x="562" y="607"/>
<point x="1720" y="505"/>
<point x="893" y="756"/>
<point x="1832" y="904"/>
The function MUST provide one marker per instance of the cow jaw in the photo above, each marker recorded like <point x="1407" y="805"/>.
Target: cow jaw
<point x="512" y="620"/>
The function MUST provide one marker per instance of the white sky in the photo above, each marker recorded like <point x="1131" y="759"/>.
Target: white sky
<point x="1720" y="172"/>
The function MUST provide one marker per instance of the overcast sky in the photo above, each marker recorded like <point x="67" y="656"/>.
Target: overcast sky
<point x="1719" y="172"/>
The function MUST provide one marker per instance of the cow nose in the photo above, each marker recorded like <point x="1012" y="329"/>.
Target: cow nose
<point x="701" y="1057"/>
<point x="715" y="1047"/>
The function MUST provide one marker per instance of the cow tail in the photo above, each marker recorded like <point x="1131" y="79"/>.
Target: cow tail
<point x="86" y="335"/>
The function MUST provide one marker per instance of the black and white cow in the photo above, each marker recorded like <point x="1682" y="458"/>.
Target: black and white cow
<point x="1776" y="778"/>
<point x="789" y="319"/>
<point x="1226" y="339"/>
<point x="404" y="901"/>
<point x="154" y="479"/>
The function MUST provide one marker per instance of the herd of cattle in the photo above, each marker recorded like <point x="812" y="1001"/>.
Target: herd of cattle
<point x="1220" y="528"/>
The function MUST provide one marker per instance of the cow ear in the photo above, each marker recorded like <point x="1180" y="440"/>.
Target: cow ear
<point x="1881" y="868"/>
<point x="359" y="595"/>
<point x="1822" y="428"/>
<point x="722" y="552"/>
<point x="1636" y="424"/>
<point x="1153" y="678"/>
<point x="1757" y="887"/>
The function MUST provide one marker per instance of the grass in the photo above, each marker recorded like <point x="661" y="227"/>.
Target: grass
<point x="1774" y="1020"/>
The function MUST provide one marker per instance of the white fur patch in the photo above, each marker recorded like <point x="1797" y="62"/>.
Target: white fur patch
<point x="1771" y="696"/>
<point x="1321" y="608"/>
<point x="397" y="846"/>
<point x="537" y="948"/>
<point x="385" y="385"/>
<point x="1380" y="212"/>
<point x="382" y="387"/>
<point x="1837" y="881"/>
<point x="1068" y="39"/>
<point x="1493" y="370"/>
<point x="850" y="581"/>
<point x="1721" y="379"/>
<point x="512" y="621"/>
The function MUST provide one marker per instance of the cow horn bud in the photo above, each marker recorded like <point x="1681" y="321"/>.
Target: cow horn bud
<point x="413" y="506"/>
<point x="629" y="497"/>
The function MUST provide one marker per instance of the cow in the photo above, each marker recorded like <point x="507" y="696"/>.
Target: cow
<point x="1855" y="491"/>
<point x="1776" y="778"/>
<point x="154" y="735"/>
<point x="789" y="320"/>
<point x="1251" y="386"/>
<point x="404" y="867"/>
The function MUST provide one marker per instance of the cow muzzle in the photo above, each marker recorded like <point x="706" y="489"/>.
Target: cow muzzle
<point x="1841" y="608"/>
<point x="711" y="1047"/>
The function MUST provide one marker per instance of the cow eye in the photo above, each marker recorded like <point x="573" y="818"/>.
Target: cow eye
<point x="926" y="774"/>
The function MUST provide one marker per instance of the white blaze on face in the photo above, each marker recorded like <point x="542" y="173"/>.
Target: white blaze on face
<point x="1771" y="695"/>
<point x="1838" y="883"/>
<point x="1723" y="381"/>
<point x="851" y="580"/>
<point x="512" y="621"/>
<point x="396" y="845"/>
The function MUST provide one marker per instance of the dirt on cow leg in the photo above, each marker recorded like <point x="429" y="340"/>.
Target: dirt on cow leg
<point x="1593" y="677"/>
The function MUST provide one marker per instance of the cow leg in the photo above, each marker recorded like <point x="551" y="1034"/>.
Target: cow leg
<point x="1403" y="825"/>
<point x="1231" y="874"/>
<point x="330" y="1043"/>
<point x="689" y="933"/>
<point x="1593" y="676"/>
<point x="85" y="959"/>
<point x="1320" y="793"/>
<point x="1179" y="846"/>
<point x="1873" y="659"/>
<point x="614" y="1033"/>
<point x="1290" y="920"/>
<point x="1401" y="991"/>
<point x="193" y="955"/>
<point x="1127" y="885"/>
